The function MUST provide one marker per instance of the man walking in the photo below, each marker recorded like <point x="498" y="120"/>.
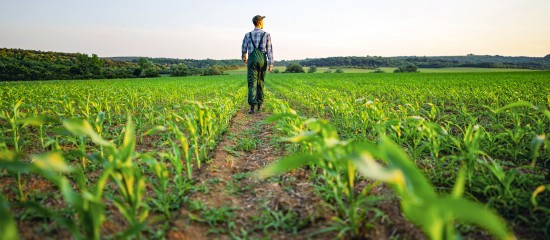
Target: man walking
<point x="257" y="44"/>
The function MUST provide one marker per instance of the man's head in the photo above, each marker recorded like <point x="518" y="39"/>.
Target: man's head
<point x="258" y="21"/>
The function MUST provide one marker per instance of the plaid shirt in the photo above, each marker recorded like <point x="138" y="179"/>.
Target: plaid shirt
<point x="265" y="45"/>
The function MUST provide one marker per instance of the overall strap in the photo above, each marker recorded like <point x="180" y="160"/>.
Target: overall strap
<point x="253" y="44"/>
<point x="252" y="40"/>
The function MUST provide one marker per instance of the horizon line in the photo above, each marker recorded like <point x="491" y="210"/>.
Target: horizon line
<point x="208" y="58"/>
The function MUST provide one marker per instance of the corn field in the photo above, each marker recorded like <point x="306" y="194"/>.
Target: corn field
<point x="458" y="149"/>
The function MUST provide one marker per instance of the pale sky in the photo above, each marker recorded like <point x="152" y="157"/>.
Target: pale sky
<point x="200" y="29"/>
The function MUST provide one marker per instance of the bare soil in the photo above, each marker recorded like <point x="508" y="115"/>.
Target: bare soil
<point x="282" y="207"/>
<point x="251" y="199"/>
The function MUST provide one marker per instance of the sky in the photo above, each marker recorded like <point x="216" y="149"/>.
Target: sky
<point x="200" y="29"/>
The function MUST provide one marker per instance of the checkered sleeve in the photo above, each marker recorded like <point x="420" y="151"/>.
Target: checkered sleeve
<point x="269" y="49"/>
<point x="244" y="47"/>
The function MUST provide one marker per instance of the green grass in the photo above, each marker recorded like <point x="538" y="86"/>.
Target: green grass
<point x="242" y="70"/>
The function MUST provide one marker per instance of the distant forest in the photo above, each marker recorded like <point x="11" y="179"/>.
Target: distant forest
<point x="19" y="64"/>
<point x="28" y="65"/>
<point x="470" y="60"/>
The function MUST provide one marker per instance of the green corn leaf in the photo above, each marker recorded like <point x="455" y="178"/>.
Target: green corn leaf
<point x="415" y="182"/>
<point x="303" y="136"/>
<point x="100" y="117"/>
<point x="467" y="211"/>
<point x="9" y="160"/>
<point x="129" y="143"/>
<point x="515" y="105"/>
<point x="8" y="228"/>
<point x="51" y="161"/>
<point x="322" y="126"/>
<point x="537" y="191"/>
<point x="368" y="167"/>
<point x="50" y="165"/>
<point x="277" y="117"/>
<point x="70" y="196"/>
<point x="155" y="130"/>
<point x="18" y="104"/>
<point x="458" y="188"/>
<point x="35" y="120"/>
<point x="82" y="127"/>
<point x="286" y="164"/>
<point x="427" y="217"/>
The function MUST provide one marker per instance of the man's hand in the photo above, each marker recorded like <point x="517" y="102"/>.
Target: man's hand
<point x="245" y="60"/>
<point x="270" y="68"/>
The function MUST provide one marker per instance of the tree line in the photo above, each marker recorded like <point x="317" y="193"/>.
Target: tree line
<point x="28" y="65"/>
<point x="470" y="60"/>
<point x="19" y="64"/>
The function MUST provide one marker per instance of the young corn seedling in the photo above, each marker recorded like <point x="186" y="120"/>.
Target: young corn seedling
<point x="175" y="157"/>
<point x="321" y="139"/>
<point x="540" y="140"/>
<point x="123" y="171"/>
<point x="86" y="202"/>
<point x="470" y="148"/>
<point x="186" y="153"/>
<point x="193" y="136"/>
<point x="13" y="119"/>
<point x="536" y="206"/>
<point x="98" y="127"/>
<point x="39" y="122"/>
<point x="8" y="228"/>
<point x="420" y="203"/>
<point x="9" y="161"/>
<point x="162" y="201"/>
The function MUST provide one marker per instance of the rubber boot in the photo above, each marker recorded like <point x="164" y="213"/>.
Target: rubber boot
<point x="259" y="107"/>
<point x="251" y="109"/>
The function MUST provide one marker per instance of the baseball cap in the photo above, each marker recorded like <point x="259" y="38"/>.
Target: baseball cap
<point x="257" y="18"/>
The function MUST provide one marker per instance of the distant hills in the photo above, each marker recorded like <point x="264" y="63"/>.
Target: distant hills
<point x="20" y="64"/>
<point x="470" y="60"/>
<point x="189" y="62"/>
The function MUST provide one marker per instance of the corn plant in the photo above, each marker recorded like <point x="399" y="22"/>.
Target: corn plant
<point x="534" y="201"/>
<point x="86" y="202"/>
<point x="13" y="119"/>
<point x="320" y="139"/>
<point x="420" y="203"/>
<point x="8" y="229"/>
<point x="162" y="200"/>
<point x="176" y="158"/>
<point x="9" y="161"/>
<point x="433" y="213"/>
<point x="470" y="147"/>
<point x="538" y="141"/>
<point x="125" y="173"/>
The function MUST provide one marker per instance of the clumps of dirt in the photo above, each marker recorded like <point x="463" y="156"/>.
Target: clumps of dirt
<point x="393" y="224"/>
<point x="231" y="184"/>
<point x="281" y="207"/>
<point x="228" y="201"/>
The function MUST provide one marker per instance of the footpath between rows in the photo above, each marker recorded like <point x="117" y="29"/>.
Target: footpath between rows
<point x="231" y="204"/>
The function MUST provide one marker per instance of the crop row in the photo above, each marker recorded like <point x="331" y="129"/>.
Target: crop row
<point x="107" y="148"/>
<point x="494" y="126"/>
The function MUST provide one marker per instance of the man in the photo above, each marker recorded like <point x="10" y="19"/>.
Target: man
<point x="257" y="44"/>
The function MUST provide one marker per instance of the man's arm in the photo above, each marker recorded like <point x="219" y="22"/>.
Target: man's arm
<point x="269" y="51"/>
<point x="244" y="49"/>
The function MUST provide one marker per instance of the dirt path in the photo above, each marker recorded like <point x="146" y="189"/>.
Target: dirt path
<point x="235" y="205"/>
<point x="230" y="204"/>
